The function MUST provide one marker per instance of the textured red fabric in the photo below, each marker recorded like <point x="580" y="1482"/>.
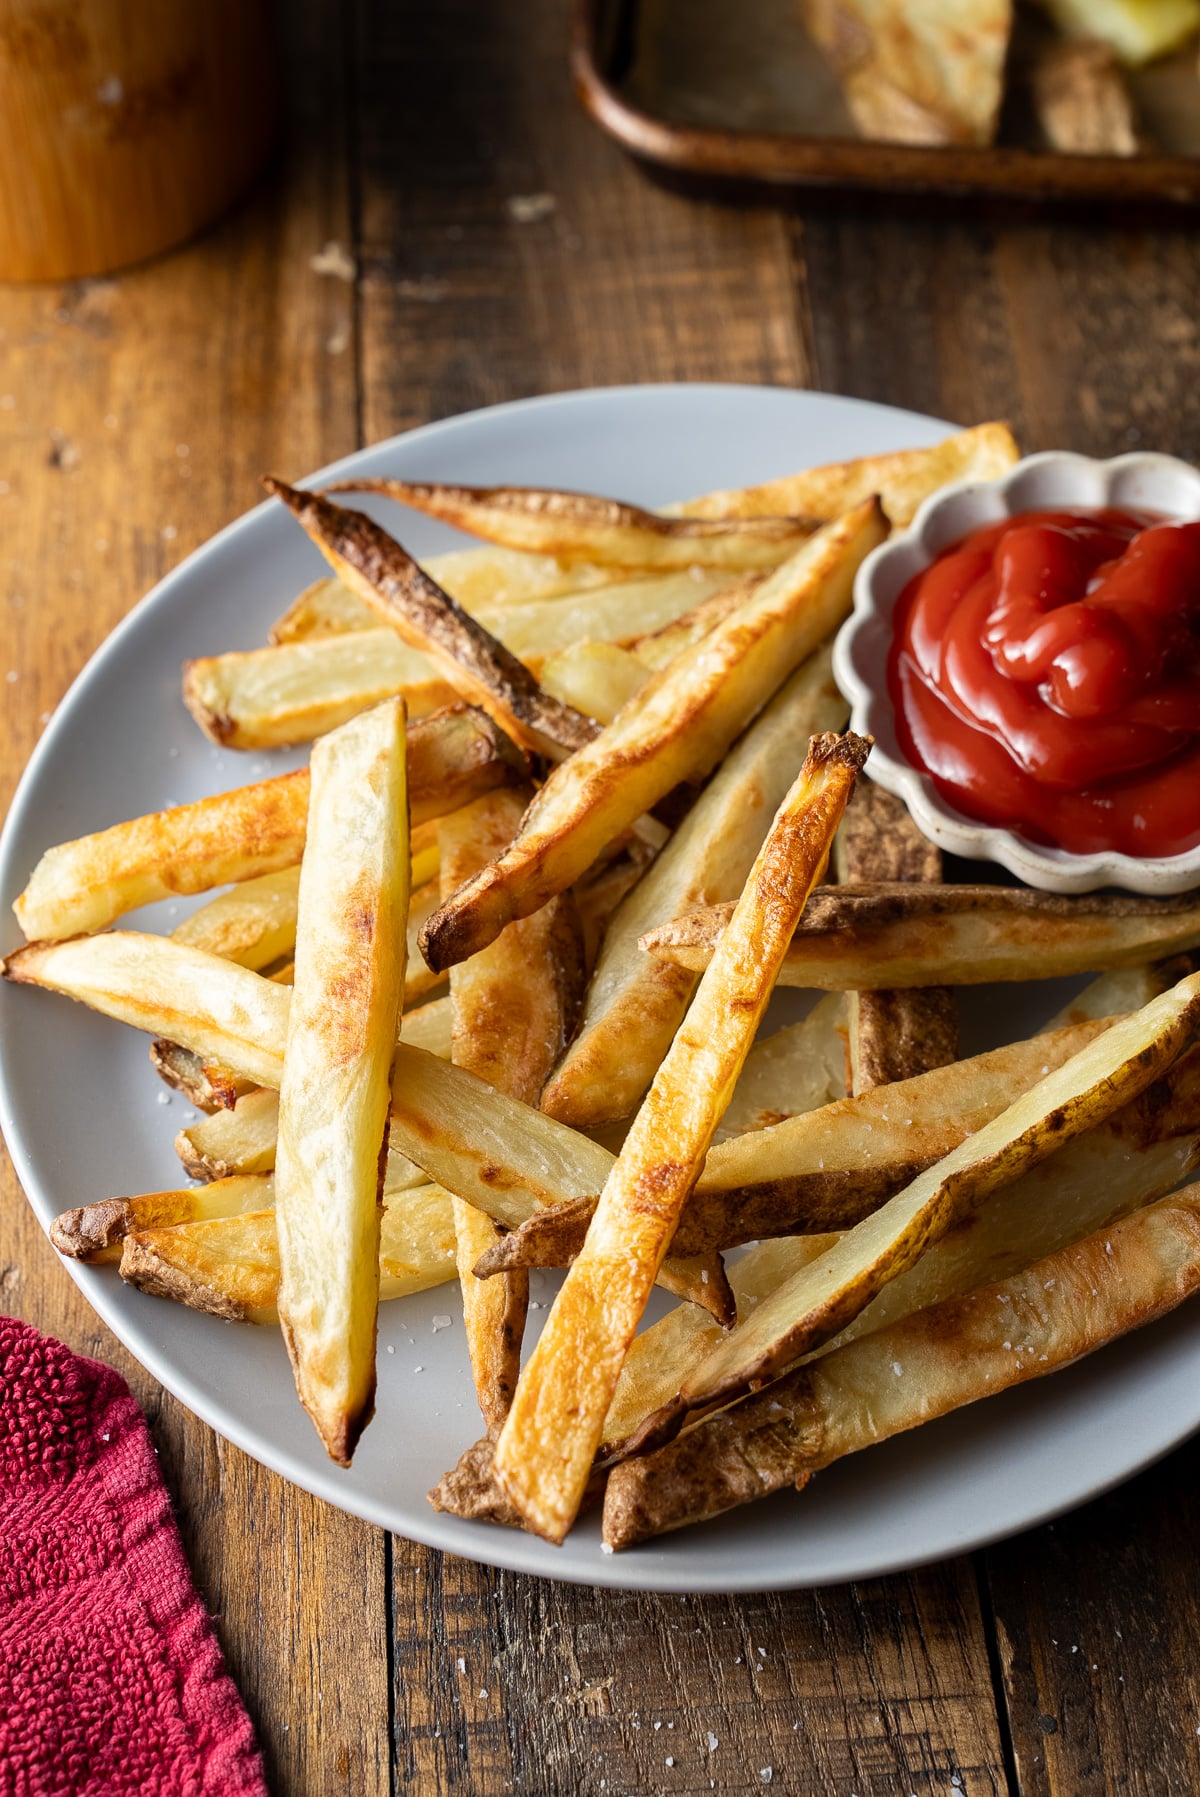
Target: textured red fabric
<point x="111" y="1678"/>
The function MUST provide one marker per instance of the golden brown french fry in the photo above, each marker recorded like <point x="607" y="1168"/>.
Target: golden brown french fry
<point x="597" y="896"/>
<point x="799" y="1068"/>
<point x="507" y="1159"/>
<point x="596" y="678"/>
<point x="603" y="532"/>
<point x="513" y="1007"/>
<point x="333" y="1100"/>
<point x="904" y="479"/>
<point x="84" y="885"/>
<point x="230" y="1267"/>
<point x="94" y="1232"/>
<point x="823" y="1169"/>
<point x="545" y="1450"/>
<point x="474" y="662"/>
<point x="272" y="698"/>
<point x="892" y="1034"/>
<point x="635" y="1003"/>
<point x="237" y="1141"/>
<point x="676" y="728"/>
<point x="1030" y="1324"/>
<point x="221" y="1011"/>
<point x="863" y="937"/>
<point x="205" y="1083"/>
<point x="808" y="1310"/>
<point x="1123" y="989"/>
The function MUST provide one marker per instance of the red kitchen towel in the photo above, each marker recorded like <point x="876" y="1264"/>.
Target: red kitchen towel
<point x="111" y="1679"/>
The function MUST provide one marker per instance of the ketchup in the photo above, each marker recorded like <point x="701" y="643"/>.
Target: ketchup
<point x="1045" y="672"/>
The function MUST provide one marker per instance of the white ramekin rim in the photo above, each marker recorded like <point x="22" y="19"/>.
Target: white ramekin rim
<point x="1141" y="480"/>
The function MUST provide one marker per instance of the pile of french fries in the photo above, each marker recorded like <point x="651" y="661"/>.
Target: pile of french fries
<point x="483" y="991"/>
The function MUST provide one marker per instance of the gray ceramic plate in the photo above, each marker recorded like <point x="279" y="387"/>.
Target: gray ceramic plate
<point x="85" y="1118"/>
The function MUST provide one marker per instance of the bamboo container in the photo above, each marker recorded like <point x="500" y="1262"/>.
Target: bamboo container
<point x="126" y="126"/>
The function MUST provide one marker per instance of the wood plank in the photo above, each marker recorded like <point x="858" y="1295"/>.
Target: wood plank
<point x="136" y="414"/>
<point x="509" y="1683"/>
<point x="1097" y="1618"/>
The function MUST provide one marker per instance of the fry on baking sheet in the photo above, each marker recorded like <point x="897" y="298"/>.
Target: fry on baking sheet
<point x="676" y="728"/>
<point x="634" y="1002"/>
<point x="814" y="1306"/>
<point x="84" y="885"/>
<point x="475" y="662"/>
<point x="1062" y="1307"/>
<point x="513" y="1006"/>
<point x="867" y="937"/>
<point x="231" y="1267"/>
<point x="333" y="1100"/>
<point x="823" y="1169"/>
<point x="545" y="1450"/>
<point x="602" y="532"/>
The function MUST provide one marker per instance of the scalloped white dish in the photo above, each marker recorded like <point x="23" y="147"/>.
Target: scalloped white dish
<point x="85" y="1118"/>
<point x="1140" y="481"/>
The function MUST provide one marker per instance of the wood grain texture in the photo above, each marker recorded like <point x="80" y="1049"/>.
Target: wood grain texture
<point x="135" y="417"/>
<point x="1097" y="1618"/>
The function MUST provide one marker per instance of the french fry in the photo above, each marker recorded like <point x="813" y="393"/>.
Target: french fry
<point x="893" y="1034"/>
<point x="863" y="937"/>
<point x="237" y="1141"/>
<point x="333" y="1101"/>
<point x="799" y="1068"/>
<point x="635" y="1003"/>
<point x="513" y="1007"/>
<point x="272" y="698"/>
<point x="655" y="648"/>
<point x="254" y="923"/>
<point x="544" y="1451"/>
<point x="597" y="678"/>
<point x="904" y="479"/>
<point x="94" y="1232"/>
<point x="230" y="1268"/>
<point x="1123" y="989"/>
<point x="676" y="728"/>
<point x="619" y="611"/>
<point x="1033" y="1323"/>
<point x="221" y="1011"/>
<point x="814" y="1306"/>
<point x="822" y="1169"/>
<point x="86" y="884"/>
<point x="508" y="1160"/>
<point x="475" y="663"/>
<point x="597" y="896"/>
<point x="1143" y="1151"/>
<point x="576" y="527"/>
<point x="205" y="1083"/>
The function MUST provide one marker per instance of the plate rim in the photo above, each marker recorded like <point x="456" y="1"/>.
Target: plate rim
<point x="490" y="1545"/>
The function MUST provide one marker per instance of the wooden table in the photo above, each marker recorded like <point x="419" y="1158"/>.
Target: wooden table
<point x="136" y="414"/>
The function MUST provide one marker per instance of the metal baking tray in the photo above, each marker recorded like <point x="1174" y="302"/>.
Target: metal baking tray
<point x="721" y="92"/>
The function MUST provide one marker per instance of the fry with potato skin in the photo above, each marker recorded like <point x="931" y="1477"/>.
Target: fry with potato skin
<point x="94" y="1232"/>
<point x="229" y="1267"/>
<point x="634" y="1002"/>
<point x="1110" y="1071"/>
<point x="676" y="728"/>
<point x="513" y="1005"/>
<point x="545" y="1450"/>
<point x="86" y="884"/>
<point x="1030" y="1324"/>
<point x="867" y="937"/>
<point x="474" y="662"/>
<point x="333" y="1100"/>
<point x="603" y="532"/>
<point x="825" y="1168"/>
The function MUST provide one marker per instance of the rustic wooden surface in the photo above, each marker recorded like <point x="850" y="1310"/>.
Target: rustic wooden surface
<point x="135" y="415"/>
